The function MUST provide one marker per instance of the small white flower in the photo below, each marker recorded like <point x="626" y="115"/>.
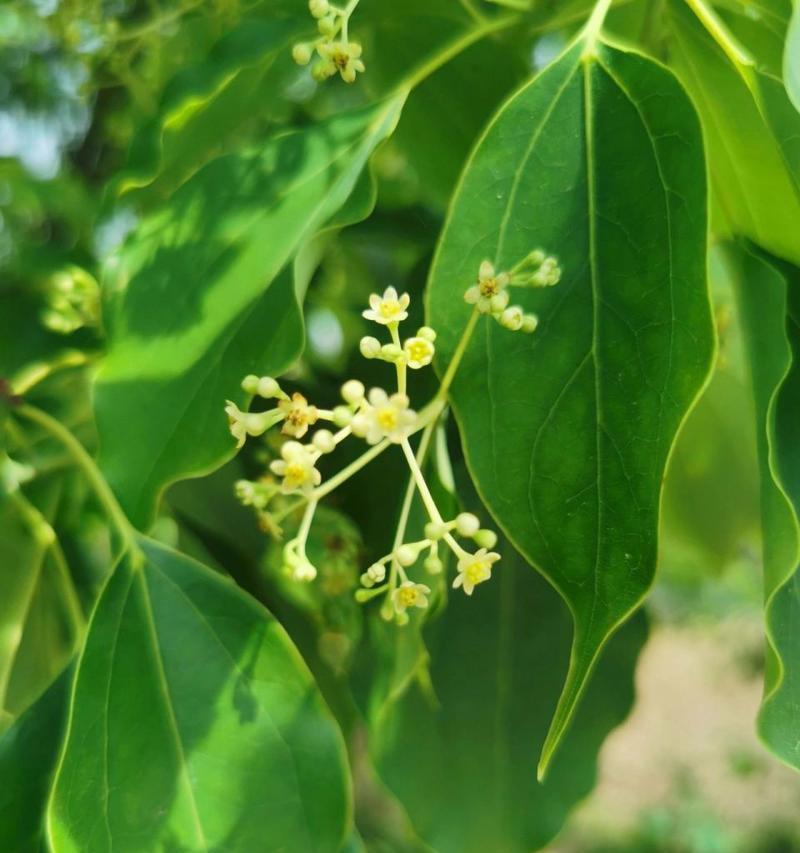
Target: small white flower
<point x="419" y="352"/>
<point x="242" y="424"/>
<point x="344" y="57"/>
<point x="490" y="285"/>
<point x="474" y="569"/>
<point x="296" y="467"/>
<point x="298" y="415"/>
<point x="384" y="417"/>
<point x="410" y="594"/>
<point x="389" y="308"/>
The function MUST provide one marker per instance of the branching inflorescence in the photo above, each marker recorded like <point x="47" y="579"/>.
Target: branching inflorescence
<point x="383" y="418"/>
<point x="335" y="52"/>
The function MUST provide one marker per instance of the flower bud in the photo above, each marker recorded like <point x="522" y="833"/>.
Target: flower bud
<point x="323" y="440"/>
<point x="353" y="391"/>
<point x="376" y="572"/>
<point x="529" y="323"/>
<point x="433" y="565"/>
<point x="467" y="524"/>
<point x="434" y="530"/>
<point x="319" y="8"/>
<point x="401" y="619"/>
<point x="370" y="347"/>
<point x="406" y="555"/>
<point x="485" y="538"/>
<point x="342" y="416"/>
<point x="327" y="25"/>
<point x="427" y="332"/>
<point x="301" y="53"/>
<point x="499" y="302"/>
<point x="511" y="318"/>
<point x="391" y="352"/>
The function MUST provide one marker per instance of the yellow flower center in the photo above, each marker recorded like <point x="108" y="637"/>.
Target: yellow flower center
<point x="389" y="307"/>
<point x="407" y="596"/>
<point x="387" y="418"/>
<point x="341" y="59"/>
<point x="418" y="351"/>
<point x="476" y="572"/>
<point x="296" y="474"/>
<point x="488" y="287"/>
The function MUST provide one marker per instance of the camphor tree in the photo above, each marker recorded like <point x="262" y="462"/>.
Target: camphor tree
<point x="344" y="355"/>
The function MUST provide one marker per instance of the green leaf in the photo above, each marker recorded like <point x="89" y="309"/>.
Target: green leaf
<point x="460" y="752"/>
<point x="28" y="755"/>
<point x="769" y="295"/>
<point x="198" y="299"/>
<point x="194" y="724"/>
<point x="243" y="77"/>
<point x="39" y="614"/>
<point x="791" y="58"/>
<point x="567" y="432"/>
<point x="751" y="129"/>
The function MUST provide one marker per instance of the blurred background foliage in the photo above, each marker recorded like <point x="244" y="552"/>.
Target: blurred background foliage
<point x="106" y="108"/>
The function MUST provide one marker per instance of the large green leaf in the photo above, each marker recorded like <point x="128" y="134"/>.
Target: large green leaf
<point x="243" y="77"/>
<point x="567" y="432"/>
<point x="194" y="724"/>
<point x="28" y="755"/>
<point x="460" y="751"/>
<point x="198" y="299"/>
<point x="770" y="301"/>
<point x="751" y="128"/>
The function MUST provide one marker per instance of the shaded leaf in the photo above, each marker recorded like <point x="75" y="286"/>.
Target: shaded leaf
<point x="567" y="432"/>
<point x="194" y="724"/>
<point x="770" y="300"/>
<point x="202" y="294"/>
<point x="28" y="755"/>
<point x="461" y="752"/>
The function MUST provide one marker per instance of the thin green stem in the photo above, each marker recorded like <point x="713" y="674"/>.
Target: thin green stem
<point x="87" y="464"/>
<point x="719" y="32"/>
<point x="594" y="25"/>
<point x="349" y="470"/>
<point x="461" y="348"/>
<point x="35" y="373"/>
<point x="400" y="365"/>
<point x="305" y="526"/>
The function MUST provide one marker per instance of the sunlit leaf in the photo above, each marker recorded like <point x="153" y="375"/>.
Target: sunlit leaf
<point x="194" y="724"/>
<point x="752" y="131"/>
<point x="198" y="299"/>
<point x="599" y="161"/>
<point x="791" y="59"/>
<point x="769" y="295"/>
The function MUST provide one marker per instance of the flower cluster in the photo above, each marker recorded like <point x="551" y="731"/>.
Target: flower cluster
<point x="73" y="301"/>
<point x="383" y="418"/>
<point x="335" y="52"/>
<point x="490" y="293"/>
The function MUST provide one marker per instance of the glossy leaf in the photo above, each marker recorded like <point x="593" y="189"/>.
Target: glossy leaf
<point x="194" y="724"/>
<point x="460" y="751"/>
<point x="770" y="300"/>
<point x="752" y="131"/>
<point x="28" y="755"/>
<point x="198" y="299"/>
<point x="567" y="432"/>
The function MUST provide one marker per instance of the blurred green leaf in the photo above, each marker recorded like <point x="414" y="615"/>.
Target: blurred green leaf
<point x="568" y="449"/>
<point x="194" y="724"/>
<point x="791" y="58"/>
<point x="769" y="295"/>
<point x="28" y="755"/>
<point x="40" y="618"/>
<point x="197" y="299"/>
<point x="752" y="132"/>
<point x="460" y="752"/>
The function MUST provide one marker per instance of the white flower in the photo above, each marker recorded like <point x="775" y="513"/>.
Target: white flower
<point x="296" y="468"/>
<point x="242" y="424"/>
<point x="384" y="417"/>
<point x="474" y="569"/>
<point x="389" y="308"/>
<point x="298" y="415"/>
<point x="344" y="57"/>
<point x="418" y="352"/>
<point x="410" y="594"/>
<point x="489" y="286"/>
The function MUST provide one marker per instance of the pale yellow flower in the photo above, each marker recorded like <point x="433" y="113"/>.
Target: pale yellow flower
<point x="474" y="569"/>
<point x="489" y="294"/>
<point x="298" y="415"/>
<point x="296" y="467"/>
<point x="410" y="594"/>
<point x="384" y="417"/>
<point x="389" y="308"/>
<point x="418" y="352"/>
